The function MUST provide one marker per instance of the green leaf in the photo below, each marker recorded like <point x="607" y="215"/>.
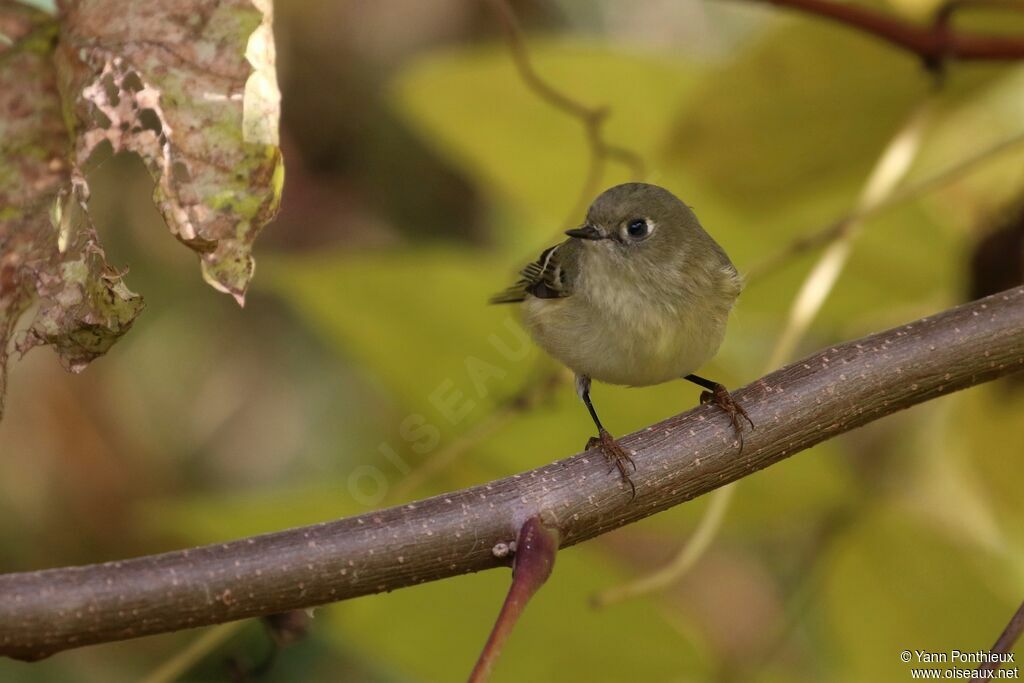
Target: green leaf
<point x="993" y="114"/>
<point x="981" y="429"/>
<point x="215" y="518"/>
<point x="892" y="585"/>
<point x="802" y="112"/>
<point x="418" y="320"/>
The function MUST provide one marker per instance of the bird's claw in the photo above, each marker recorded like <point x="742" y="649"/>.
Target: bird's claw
<point x="721" y="397"/>
<point x="617" y="456"/>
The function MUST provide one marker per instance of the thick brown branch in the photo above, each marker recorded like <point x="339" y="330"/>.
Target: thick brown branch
<point x="932" y="43"/>
<point x="814" y="399"/>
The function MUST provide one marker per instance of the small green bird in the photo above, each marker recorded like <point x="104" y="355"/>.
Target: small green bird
<point x="638" y="295"/>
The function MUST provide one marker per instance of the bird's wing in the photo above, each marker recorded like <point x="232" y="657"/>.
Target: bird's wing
<point x="549" y="277"/>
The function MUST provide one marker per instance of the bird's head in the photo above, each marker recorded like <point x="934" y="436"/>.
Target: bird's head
<point x="639" y="222"/>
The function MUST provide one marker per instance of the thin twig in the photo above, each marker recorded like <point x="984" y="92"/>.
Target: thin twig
<point x="592" y="118"/>
<point x="682" y="562"/>
<point x="519" y="404"/>
<point x="804" y="584"/>
<point x="1010" y="635"/>
<point x="817" y="398"/>
<point x="183" y="660"/>
<point x="944" y="15"/>
<point x="829" y="232"/>
<point x="891" y="167"/>
<point x="933" y="44"/>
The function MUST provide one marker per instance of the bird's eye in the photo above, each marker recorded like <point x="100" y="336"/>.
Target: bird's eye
<point x="638" y="228"/>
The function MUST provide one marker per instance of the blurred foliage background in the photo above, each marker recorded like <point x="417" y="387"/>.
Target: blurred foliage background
<point x="421" y="174"/>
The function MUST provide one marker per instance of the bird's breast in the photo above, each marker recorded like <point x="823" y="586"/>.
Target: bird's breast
<point x="623" y="335"/>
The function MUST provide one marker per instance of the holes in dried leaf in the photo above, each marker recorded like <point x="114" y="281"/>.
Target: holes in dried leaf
<point x="100" y="120"/>
<point x="132" y="82"/>
<point x="149" y="120"/>
<point x="101" y="154"/>
<point x="111" y="90"/>
<point x="180" y="172"/>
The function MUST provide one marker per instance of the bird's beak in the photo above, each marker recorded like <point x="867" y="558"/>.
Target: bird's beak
<point x="586" y="232"/>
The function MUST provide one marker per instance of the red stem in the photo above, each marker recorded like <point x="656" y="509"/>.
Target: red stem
<point x="535" y="557"/>
<point x="934" y="42"/>
<point x="1003" y="644"/>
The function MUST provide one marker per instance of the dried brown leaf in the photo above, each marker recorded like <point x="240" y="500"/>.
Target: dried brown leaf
<point x="48" y="249"/>
<point x="189" y="85"/>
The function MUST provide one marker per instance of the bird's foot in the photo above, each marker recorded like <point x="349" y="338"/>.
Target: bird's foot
<point x="618" y="457"/>
<point x="721" y="397"/>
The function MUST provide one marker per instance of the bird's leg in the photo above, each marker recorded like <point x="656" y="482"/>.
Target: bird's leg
<point x="720" y="396"/>
<point x="617" y="456"/>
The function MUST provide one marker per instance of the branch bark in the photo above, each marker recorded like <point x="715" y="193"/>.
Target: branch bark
<point x="685" y="456"/>
<point x="933" y="43"/>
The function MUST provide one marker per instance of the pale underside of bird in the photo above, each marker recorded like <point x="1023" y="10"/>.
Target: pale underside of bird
<point x="638" y="295"/>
